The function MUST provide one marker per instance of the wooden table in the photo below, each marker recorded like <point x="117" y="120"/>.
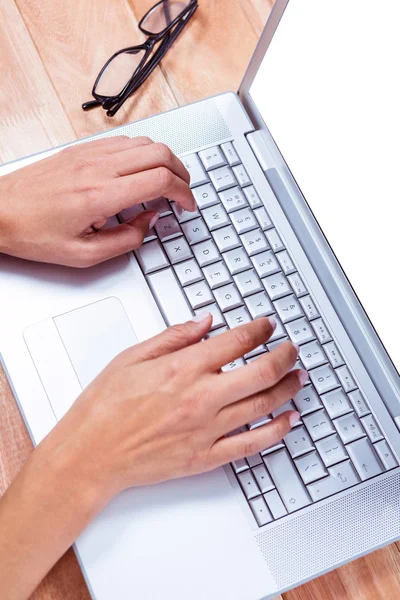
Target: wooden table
<point x="50" y="52"/>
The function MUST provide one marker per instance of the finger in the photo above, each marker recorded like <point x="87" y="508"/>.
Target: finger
<point x="172" y="339"/>
<point x="260" y="405"/>
<point x="259" y="375"/>
<point x="148" y="185"/>
<point x="134" y="160"/>
<point x="109" y="243"/>
<point x="231" y="448"/>
<point x="219" y="351"/>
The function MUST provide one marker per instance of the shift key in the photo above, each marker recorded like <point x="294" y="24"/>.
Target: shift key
<point x="287" y="480"/>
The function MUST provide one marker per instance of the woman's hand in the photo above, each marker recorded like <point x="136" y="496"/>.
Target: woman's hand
<point x="51" y="210"/>
<point x="162" y="409"/>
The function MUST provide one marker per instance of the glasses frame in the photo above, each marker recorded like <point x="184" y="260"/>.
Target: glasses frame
<point x="148" y="63"/>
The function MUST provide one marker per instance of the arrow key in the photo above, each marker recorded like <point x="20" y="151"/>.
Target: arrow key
<point x="364" y="458"/>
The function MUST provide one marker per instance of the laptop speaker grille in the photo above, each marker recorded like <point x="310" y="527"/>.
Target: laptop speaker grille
<point x="183" y="130"/>
<point x="332" y="533"/>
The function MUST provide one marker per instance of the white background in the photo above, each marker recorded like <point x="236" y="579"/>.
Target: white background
<point x="329" y="91"/>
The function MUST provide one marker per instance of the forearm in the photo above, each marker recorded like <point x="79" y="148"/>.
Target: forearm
<point x="42" y="513"/>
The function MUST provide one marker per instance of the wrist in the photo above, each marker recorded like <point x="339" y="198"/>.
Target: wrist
<point x="5" y="224"/>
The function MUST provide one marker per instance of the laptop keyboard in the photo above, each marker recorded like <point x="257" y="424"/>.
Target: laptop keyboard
<point x="229" y="259"/>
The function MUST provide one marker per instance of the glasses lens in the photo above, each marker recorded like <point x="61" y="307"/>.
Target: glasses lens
<point x="162" y="15"/>
<point x="118" y="72"/>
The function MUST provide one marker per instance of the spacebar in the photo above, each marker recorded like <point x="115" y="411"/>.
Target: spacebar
<point x="287" y="480"/>
<point x="170" y="297"/>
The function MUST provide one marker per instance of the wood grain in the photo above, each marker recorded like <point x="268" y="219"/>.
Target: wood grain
<point x="50" y="53"/>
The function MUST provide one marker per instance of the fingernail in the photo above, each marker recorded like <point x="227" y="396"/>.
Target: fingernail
<point x="273" y="323"/>
<point x="154" y="220"/>
<point x="303" y="376"/>
<point x="201" y="317"/>
<point x="297" y="348"/>
<point x="294" y="417"/>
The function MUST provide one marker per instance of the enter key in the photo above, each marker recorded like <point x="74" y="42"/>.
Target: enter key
<point x="341" y="477"/>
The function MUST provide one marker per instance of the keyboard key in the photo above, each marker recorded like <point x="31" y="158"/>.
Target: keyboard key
<point x="240" y="465"/>
<point x="253" y="354"/>
<point x="307" y="400"/>
<point x="287" y="480"/>
<point x="237" y="317"/>
<point x="279" y="332"/>
<point x="285" y="408"/>
<point x="169" y="296"/>
<point x="259" y="423"/>
<point x="336" y="403"/>
<point x="222" y="178"/>
<point x="324" y="379"/>
<point x="233" y="199"/>
<point x="349" y="428"/>
<point x="274" y="240"/>
<point x="333" y="354"/>
<point x="277" y="286"/>
<point x="359" y="404"/>
<point x="237" y="261"/>
<point x="195" y="231"/>
<point x="243" y="220"/>
<point x="188" y="272"/>
<point x="183" y="215"/>
<point x="386" y="455"/>
<point x="321" y="331"/>
<point x="228" y="297"/>
<point x="160" y="205"/>
<point x="151" y="257"/>
<point x="130" y="213"/>
<point x="260" y="511"/>
<point x="248" y="283"/>
<point x="286" y="262"/>
<point x="212" y="158"/>
<point x="249" y="485"/>
<point x="216" y="332"/>
<point x="310" y="467"/>
<point x="298" y="442"/>
<point x="288" y="309"/>
<point x="297" y="285"/>
<point x="309" y="308"/>
<point x="312" y="355"/>
<point x="364" y="459"/>
<point x="273" y="448"/>
<point x="217" y="274"/>
<point x="259" y="305"/>
<point x="331" y="450"/>
<point x="195" y="168"/>
<point x="254" y="460"/>
<point x="346" y="379"/>
<point x="235" y="364"/>
<point x="275" y="504"/>
<point x="226" y="239"/>
<point x="168" y="228"/>
<point x="263" y="218"/>
<point x="205" y="196"/>
<point x="215" y="217"/>
<point x="265" y="263"/>
<point x="230" y="154"/>
<point x="206" y="253"/>
<point x="340" y="478"/>
<point x="300" y="331"/>
<point x="199" y="294"/>
<point x="252" y="197"/>
<point x="218" y="320"/>
<point x="177" y="250"/>
<point x="241" y="175"/>
<point x="318" y="425"/>
<point x="263" y="479"/>
<point x="372" y="428"/>
<point x="254" y="242"/>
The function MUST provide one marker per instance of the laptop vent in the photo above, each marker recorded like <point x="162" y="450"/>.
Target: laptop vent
<point x="185" y="129"/>
<point x="329" y="534"/>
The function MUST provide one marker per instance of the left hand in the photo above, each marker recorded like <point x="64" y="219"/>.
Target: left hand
<point x="52" y="210"/>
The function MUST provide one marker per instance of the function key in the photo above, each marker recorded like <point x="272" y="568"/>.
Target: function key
<point x="241" y="175"/>
<point x="297" y="284"/>
<point x="230" y="154"/>
<point x="335" y="358"/>
<point x="274" y="240"/>
<point x="372" y="428"/>
<point x="309" y="308"/>
<point x="346" y="379"/>
<point x="359" y="404"/>
<point x="252" y="197"/>
<point x="263" y="218"/>
<point x="212" y="158"/>
<point x="386" y="455"/>
<point x="321" y="331"/>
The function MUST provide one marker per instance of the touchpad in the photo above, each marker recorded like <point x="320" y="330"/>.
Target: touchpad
<point x="93" y="335"/>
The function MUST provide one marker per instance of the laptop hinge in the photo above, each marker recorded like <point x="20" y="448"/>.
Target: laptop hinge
<point x="259" y="146"/>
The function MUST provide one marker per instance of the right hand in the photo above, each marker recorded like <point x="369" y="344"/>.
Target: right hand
<point x="162" y="409"/>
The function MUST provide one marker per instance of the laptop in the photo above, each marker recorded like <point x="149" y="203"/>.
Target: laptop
<point x="297" y="194"/>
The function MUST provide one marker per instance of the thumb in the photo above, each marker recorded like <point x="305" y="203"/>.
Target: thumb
<point x="112" y="242"/>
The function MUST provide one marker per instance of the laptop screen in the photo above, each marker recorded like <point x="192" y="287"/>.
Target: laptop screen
<point x="329" y="91"/>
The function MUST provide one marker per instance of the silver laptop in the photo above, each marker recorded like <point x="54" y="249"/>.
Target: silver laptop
<point x="295" y="181"/>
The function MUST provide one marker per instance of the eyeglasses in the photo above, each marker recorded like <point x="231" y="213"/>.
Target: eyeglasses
<point x="128" y="68"/>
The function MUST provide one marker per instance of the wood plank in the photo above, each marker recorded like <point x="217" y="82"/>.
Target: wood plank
<point x="74" y="40"/>
<point x="31" y="115"/>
